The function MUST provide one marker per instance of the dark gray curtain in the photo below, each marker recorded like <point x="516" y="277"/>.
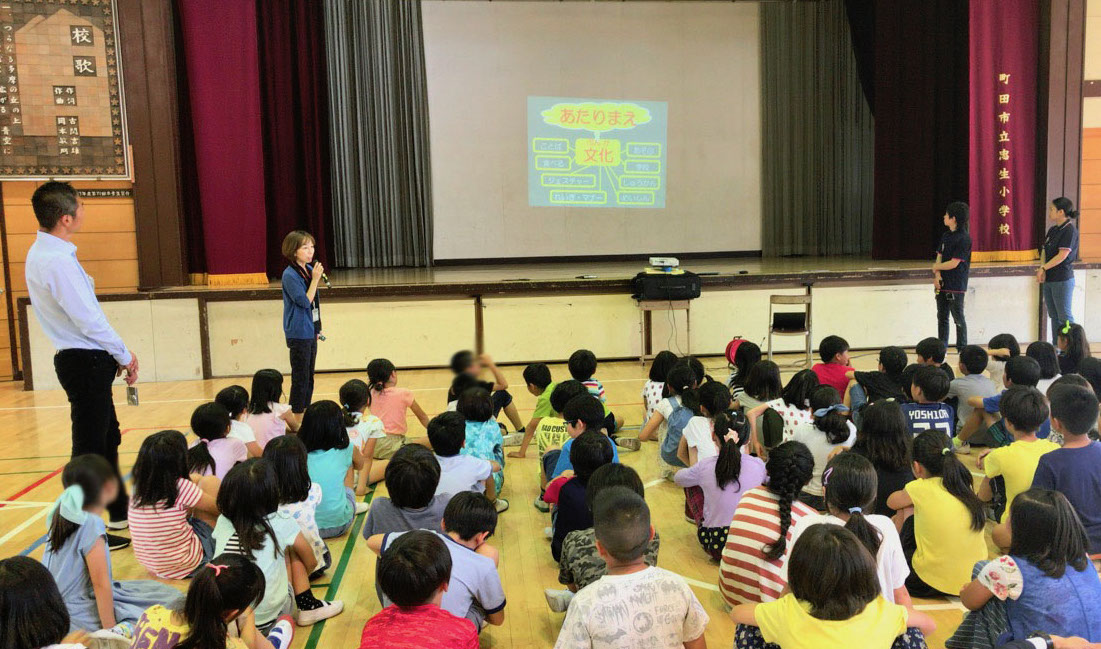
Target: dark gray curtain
<point x="817" y="133"/>
<point x="381" y="180"/>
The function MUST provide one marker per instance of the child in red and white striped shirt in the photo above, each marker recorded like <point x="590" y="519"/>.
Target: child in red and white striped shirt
<point x="751" y="570"/>
<point x="172" y="514"/>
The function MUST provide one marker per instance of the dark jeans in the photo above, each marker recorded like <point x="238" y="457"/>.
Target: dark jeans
<point x="86" y="376"/>
<point x="951" y="303"/>
<point x="303" y="359"/>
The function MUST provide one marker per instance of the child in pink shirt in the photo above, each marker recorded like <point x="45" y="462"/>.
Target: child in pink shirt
<point x="267" y="417"/>
<point x="391" y="404"/>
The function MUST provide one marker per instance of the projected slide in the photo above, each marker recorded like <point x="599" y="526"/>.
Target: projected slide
<point x="596" y="152"/>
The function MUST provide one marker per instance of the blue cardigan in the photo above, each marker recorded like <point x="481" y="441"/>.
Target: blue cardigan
<point x="298" y="321"/>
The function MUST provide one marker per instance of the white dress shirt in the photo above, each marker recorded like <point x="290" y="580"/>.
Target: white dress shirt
<point x="64" y="299"/>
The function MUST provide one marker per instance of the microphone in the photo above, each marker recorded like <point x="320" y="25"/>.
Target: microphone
<point x="325" y="278"/>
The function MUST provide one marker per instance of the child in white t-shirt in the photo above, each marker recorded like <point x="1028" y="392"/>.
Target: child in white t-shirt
<point x="829" y="430"/>
<point x="711" y="401"/>
<point x="447" y="434"/>
<point x="364" y="431"/>
<point x="235" y="400"/>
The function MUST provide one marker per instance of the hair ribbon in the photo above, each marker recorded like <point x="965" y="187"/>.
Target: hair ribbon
<point x="217" y="568"/>
<point x="856" y="510"/>
<point x="70" y="505"/>
<point x="837" y="407"/>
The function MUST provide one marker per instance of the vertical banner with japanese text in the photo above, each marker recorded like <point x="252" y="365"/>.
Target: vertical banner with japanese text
<point x="1004" y="48"/>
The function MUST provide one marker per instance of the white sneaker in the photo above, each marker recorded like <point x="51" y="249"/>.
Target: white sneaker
<point x="512" y="439"/>
<point x="118" y="525"/>
<point x="362" y="507"/>
<point x="628" y="443"/>
<point x="117" y="637"/>
<point x="962" y="449"/>
<point x="541" y="504"/>
<point x="501" y="505"/>
<point x="558" y="600"/>
<point x="327" y="610"/>
<point x="548" y="532"/>
<point x="282" y="633"/>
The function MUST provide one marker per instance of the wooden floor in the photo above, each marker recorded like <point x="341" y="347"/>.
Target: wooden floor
<point x="36" y="426"/>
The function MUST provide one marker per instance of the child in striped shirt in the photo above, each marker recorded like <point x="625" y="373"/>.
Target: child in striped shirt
<point x="582" y="366"/>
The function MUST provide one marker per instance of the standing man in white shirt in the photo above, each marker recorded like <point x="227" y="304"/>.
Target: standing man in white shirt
<point x="89" y="352"/>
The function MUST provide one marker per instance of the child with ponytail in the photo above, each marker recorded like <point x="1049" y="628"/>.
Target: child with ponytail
<point x="722" y="479"/>
<point x="391" y="404"/>
<point x="77" y="555"/>
<point x="829" y="430"/>
<point x="235" y="400"/>
<point x="945" y="506"/>
<point x="223" y="592"/>
<point x="850" y="485"/>
<point x="710" y="406"/>
<point x="1073" y="347"/>
<point x="752" y="571"/>
<point x="679" y="379"/>
<point x="792" y="407"/>
<point x="172" y="511"/>
<point x="215" y="452"/>
<point x="267" y="416"/>
<point x="364" y="431"/>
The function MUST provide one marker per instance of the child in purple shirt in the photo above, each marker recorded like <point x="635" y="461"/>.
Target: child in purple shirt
<point x="723" y="479"/>
<point x="214" y="453"/>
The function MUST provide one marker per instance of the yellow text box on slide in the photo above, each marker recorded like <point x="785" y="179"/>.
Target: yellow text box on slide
<point x="597" y="117"/>
<point x="602" y="153"/>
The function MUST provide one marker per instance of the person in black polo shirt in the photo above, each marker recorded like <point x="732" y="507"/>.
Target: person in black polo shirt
<point x="950" y="272"/>
<point x="1055" y="273"/>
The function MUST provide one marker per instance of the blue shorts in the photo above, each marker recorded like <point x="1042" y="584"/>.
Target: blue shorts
<point x="330" y="532"/>
<point x="550" y="460"/>
<point x="205" y="532"/>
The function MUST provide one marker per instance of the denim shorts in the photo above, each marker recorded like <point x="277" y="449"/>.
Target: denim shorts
<point x="205" y="532"/>
<point x="330" y="532"/>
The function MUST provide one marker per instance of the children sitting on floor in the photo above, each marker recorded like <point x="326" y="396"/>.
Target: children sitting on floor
<point x="32" y="612"/>
<point x="1073" y="346"/>
<point x="221" y="594"/>
<point x="932" y="352"/>
<point x="985" y="427"/>
<point x="1023" y="410"/>
<point x="483" y="434"/>
<point x="364" y="432"/>
<point x="458" y="472"/>
<point x="598" y="615"/>
<point x="537" y="377"/>
<point x="474" y="589"/>
<point x="172" y="512"/>
<point x="886" y="383"/>
<point x="835" y="366"/>
<point x="330" y="455"/>
<point x="710" y="406"/>
<point x="884" y="438"/>
<point x="1001" y="348"/>
<point x="1046" y="355"/>
<point x="215" y="451"/>
<point x="829" y="430"/>
<point x="583" y="414"/>
<point x="580" y="563"/>
<point x="679" y="380"/>
<point x="468" y="369"/>
<point x="414" y="574"/>
<point x="653" y="391"/>
<point x="411" y="480"/>
<point x="299" y="495"/>
<point x="235" y="400"/>
<point x="944" y="507"/>
<point x="750" y="570"/>
<point x="1045" y="582"/>
<point x="1075" y="469"/>
<point x="928" y="411"/>
<point x="551" y="435"/>
<point x="588" y="452"/>
<point x="80" y="562"/>
<point x="722" y="480"/>
<point x="793" y="409"/>
<point x="971" y="382"/>
<point x="267" y="416"/>
<point x="391" y="404"/>
<point x="834" y="603"/>
<point x="746" y="356"/>
<point x="582" y="366"/>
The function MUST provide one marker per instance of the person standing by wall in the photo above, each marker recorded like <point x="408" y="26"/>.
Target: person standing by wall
<point x="950" y="272"/>
<point x="89" y="352"/>
<point x="301" y="315"/>
<point x="1055" y="273"/>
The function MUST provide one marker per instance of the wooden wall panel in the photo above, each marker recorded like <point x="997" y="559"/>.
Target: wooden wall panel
<point x="1090" y="203"/>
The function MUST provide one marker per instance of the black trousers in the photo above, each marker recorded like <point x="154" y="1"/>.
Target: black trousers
<point x="951" y="303"/>
<point x="86" y="376"/>
<point x="303" y="359"/>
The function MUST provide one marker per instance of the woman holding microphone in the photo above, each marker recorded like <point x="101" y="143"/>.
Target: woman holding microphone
<point x="1055" y="272"/>
<point x="301" y="314"/>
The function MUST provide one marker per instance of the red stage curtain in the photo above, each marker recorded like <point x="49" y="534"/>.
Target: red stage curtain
<point x="218" y="42"/>
<point x="295" y="119"/>
<point x="921" y="127"/>
<point x="1005" y="220"/>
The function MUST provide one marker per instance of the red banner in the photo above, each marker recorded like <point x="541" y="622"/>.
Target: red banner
<point x="1004" y="59"/>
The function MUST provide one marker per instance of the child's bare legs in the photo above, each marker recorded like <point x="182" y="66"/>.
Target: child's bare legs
<point x="209" y="485"/>
<point x="619" y="422"/>
<point x="514" y="416"/>
<point x="299" y="574"/>
<point x="375" y="474"/>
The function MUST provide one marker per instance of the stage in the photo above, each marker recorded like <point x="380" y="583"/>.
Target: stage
<point x="523" y="313"/>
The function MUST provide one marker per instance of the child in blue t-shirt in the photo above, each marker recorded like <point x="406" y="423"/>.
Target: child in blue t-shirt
<point x="929" y="412"/>
<point x="985" y="428"/>
<point x="582" y="413"/>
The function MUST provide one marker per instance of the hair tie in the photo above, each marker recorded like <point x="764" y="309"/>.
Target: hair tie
<point x="856" y="510"/>
<point x="837" y="407"/>
<point x="1066" y="327"/>
<point x="826" y="476"/>
<point x="731" y="436"/>
<point x="217" y="569"/>
<point x="945" y="451"/>
<point x="70" y="505"/>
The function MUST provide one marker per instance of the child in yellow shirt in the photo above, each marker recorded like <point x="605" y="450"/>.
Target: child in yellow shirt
<point x="1024" y="410"/>
<point x="834" y="603"/>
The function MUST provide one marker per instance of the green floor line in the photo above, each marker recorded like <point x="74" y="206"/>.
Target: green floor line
<point x="338" y="574"/>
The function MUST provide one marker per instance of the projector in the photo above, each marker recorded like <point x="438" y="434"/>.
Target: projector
<point x="664" y="262"/>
